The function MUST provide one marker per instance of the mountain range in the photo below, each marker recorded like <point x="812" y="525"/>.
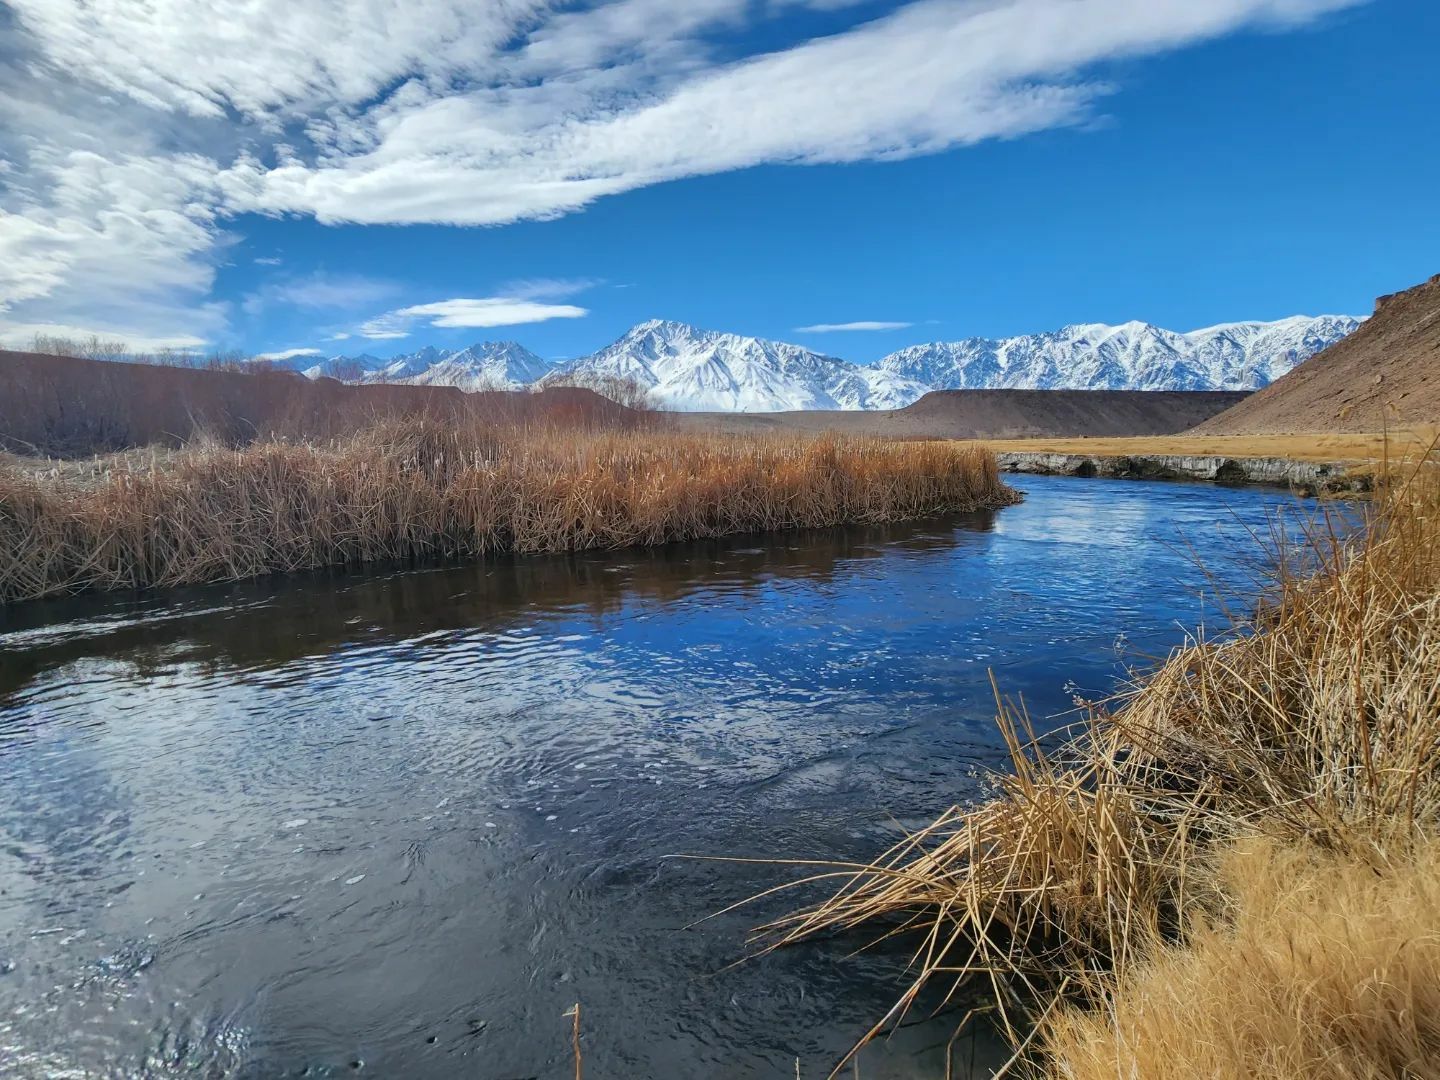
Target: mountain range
<point x="689" y="369"/>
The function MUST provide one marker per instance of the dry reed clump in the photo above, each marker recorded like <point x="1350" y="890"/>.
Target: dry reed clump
<point x="1314" y="724"/>
<point x="426" y="488"/>
<point x="1322" y="968"/>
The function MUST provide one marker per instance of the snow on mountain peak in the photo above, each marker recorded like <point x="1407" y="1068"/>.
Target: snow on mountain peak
<point x="690" y="369"/>
<point x="687" y="368"/>
<point x="1132" y="356"/>
<point x="486" y="365"/>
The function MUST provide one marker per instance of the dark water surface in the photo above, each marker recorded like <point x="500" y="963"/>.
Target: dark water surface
<point x="401" y="822"/>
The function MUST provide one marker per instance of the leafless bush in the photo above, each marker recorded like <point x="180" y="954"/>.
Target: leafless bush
<point x="623" y="391"/>
<point x="93" y="347"/>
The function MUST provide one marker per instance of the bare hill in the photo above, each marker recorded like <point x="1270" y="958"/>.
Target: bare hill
<point x="1000" y="414"/>
<point x="1386" y="374"/>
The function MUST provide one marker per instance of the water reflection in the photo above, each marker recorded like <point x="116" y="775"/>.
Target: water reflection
<point x="254" y="625"/>
<point x="403" y="821"/>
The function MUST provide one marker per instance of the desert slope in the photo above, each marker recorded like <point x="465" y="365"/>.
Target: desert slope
<point x="1386" y="374"/>
<point x="1000" y="414"/>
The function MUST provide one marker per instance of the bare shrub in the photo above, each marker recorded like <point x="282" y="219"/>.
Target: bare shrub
<point x="93" y="347"/>
<point x="627" y="392"/>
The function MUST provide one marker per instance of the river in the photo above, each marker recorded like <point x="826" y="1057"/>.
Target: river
<point x="397" y="823"/>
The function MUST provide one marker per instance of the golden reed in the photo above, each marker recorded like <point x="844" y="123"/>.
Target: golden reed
<point x="1228" y="872"/>
<point x="427" y="487"/>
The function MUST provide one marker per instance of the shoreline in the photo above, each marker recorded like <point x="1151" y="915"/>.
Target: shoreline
<point x="1243" y="841"/>
<point x="1307" y="477"/>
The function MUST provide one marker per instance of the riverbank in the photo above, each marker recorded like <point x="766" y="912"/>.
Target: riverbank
<point x="1310" y="463"/>
<point x="1325" y="447"/>
<point x="1306" y="477"/>
<point x="428" y="488"/>
<point x="1229" y="870"/>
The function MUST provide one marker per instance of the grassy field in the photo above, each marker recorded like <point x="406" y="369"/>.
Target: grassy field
<point x="424" y="488"/>
<point x="1316" y="446"/>
<point x="1231" y="870"/>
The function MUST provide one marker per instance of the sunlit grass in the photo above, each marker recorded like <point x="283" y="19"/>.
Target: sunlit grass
<point x="1321" y="446"/>
<point x="427" y="488"/>
<point x="1306" y="737"/>
<point x="1318" y="966"/>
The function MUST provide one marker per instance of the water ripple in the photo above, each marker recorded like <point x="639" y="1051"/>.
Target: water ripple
<point x="400" y="822"/>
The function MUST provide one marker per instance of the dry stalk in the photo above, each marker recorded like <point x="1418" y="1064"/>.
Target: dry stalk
<point x="1313" y="723"/>
<point x="425" y="488"/>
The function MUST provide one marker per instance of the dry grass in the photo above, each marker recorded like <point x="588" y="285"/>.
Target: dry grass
<point x="426" y="488"/>
<point x="1322" y="968"/>
<point x="1303" y="446"/>
<point x="1314" y="725"/>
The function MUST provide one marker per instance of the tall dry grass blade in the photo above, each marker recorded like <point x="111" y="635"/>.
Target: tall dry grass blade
<point x="1313" y="723"/>
<point x="427" y="487"/>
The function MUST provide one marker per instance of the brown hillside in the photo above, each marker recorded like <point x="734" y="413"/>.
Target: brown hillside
<point x="66" y="406"/>
<point x="1385" y="375"/>
<point x="1000" y="414"/>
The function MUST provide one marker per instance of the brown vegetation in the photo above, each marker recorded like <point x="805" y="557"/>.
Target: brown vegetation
<point x="66" y="405"/>
<point x="428" y="487"/>
<point x="626" y="392"/>
<point x="1308" y="737"/>
<point x="1319" y="968"/>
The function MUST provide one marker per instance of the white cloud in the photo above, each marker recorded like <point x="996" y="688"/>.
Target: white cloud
<point x="123" y="246"/>
<point x="322" y="292"/>
<point x="124" y="158"/>
<point x="547" y="288"/>
<point x="832" y="328"/>
<point x="935" y="74"/>
<point x="491" y="311"/>
<point x="468" y="312"/>
<point x="268" y="57"/>
<point x="385" y="328"/>
<point x="288" y="354"/>
<point x="270" y="260"/>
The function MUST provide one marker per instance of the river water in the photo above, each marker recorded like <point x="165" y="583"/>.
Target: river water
<point x="396" y="824"/>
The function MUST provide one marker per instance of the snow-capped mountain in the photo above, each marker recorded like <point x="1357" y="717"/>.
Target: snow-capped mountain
<point x="689" y="369"/>
<point x="487" y="365"/>
<point x="1133" y="356"/>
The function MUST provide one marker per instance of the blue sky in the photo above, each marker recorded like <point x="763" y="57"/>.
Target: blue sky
<point x="953" y="167"/>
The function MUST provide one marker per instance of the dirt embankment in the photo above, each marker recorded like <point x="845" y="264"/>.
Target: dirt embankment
<point x="64" y="406"/>
<point x="1385" y="375"/>
<point x="999" y="414"/>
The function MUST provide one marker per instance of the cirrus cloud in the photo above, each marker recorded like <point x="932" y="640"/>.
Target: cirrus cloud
<point x="288" y="354"/>
<point x="864" y="325"/>
<point x="490" y="311"/>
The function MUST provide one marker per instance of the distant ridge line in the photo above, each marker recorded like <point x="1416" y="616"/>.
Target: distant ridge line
<point x="690" y="369"/>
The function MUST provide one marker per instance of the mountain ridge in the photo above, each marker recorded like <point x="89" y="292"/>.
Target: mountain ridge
<point x="689" y="369"/>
